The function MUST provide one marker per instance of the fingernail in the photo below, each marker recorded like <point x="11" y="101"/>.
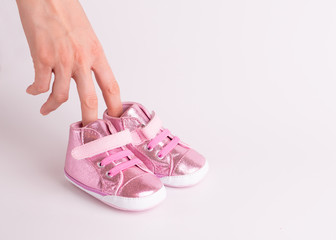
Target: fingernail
<point x="43" y="111"/>
<point x="30" y="90"/>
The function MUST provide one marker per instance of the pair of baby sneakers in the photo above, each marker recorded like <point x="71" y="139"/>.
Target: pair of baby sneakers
<point x="126" y="161"/>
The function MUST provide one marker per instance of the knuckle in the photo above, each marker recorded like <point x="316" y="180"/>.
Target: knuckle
<point x="42" y="68"/>
<point x="96" y="48"/>
<point x="84" y="57"/>
<point x="81" y="59"/>
<point x="60" y="98"/>
<point x="41" y="88"/>
<point x="65" y="59"/>
<point x="43" y="58"/>
<point x="90" y="101"/>
<point x="113" y="88"/>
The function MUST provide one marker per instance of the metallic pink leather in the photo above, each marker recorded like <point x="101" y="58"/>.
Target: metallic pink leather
<point x="179" y="161"/>
<point x="135" y="181"/>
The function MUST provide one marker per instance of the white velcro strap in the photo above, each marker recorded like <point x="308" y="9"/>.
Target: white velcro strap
<point x="136" y="139"/>
<point x="102" y="145"/>
<point x="152" y="127"/>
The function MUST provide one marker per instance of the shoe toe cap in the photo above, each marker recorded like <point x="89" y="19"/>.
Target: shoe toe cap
<point x="190" y="163"/>
<point x="141" y="186"/>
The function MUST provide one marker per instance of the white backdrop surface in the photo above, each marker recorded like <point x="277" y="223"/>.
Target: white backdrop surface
<point x="250" y="84"/>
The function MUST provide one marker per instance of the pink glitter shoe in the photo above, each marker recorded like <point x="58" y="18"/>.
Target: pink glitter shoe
<point x="98" y="162"/>
<point x="175" y="163"/>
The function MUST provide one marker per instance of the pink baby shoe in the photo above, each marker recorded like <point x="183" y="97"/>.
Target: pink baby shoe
<point x="174" y="162"/>
<point x="99" y="163"/>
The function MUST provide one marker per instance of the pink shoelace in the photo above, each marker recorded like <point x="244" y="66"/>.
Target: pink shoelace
<point x="122" y="166"/>
<point x="168" y="147"/>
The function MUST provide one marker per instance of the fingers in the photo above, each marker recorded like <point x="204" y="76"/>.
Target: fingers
<point x="109" y="87"/>
<point x="85" y="88"/>
<point x="87" y="95"/>
<point x="60" y="92"/>
<point x="42" y="80"/>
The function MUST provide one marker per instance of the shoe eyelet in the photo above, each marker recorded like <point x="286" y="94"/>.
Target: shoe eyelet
<point x="108" y="174"/>
<point x="158" y="155"/>
<point x="99" y="165"/>
<point x="148" y="149"/>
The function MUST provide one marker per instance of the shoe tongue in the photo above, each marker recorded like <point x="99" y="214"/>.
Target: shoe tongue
<point x="96" y="130"/>
<point x="136" y="112"/>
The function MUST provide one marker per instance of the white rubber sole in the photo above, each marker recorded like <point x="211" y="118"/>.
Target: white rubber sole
<point x="127" y="204"/>
<point x="186" y="180"/>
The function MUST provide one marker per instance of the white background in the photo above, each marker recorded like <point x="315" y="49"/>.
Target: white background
<point x="250" y="84"/>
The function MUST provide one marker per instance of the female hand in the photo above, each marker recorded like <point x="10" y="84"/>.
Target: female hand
<point x="62" y="41"/>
